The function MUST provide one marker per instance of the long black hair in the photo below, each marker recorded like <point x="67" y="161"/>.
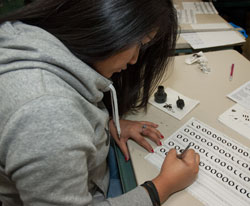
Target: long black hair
<point x="94" y="30"/>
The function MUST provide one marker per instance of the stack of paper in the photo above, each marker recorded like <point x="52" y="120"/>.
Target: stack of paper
<point x="210" y="39"/>
<point x="205" y="35"/>
<point x="190" y="9"/>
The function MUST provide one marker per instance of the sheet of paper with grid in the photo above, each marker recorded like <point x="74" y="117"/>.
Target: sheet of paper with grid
<point x="224" y="176"/>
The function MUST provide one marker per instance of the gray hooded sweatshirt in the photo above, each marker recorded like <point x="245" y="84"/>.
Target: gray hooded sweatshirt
<point x="53" y="125"/>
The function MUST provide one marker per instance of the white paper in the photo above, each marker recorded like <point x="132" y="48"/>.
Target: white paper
<point x="201" y="40"/>
<point x="242" y="95"/>
<point x="211" y="26"/>
<point x="224" y="178"/>
<point x="200" y="7"/>
<point x="186" y="16"/>
<point x="238" y="119"/>
<point x="172" y="97"/>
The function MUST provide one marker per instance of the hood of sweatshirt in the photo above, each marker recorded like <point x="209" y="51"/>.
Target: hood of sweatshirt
<point x="24" y="46"/>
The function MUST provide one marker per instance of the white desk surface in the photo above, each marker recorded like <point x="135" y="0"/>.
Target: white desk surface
<point x="211" y="90"/>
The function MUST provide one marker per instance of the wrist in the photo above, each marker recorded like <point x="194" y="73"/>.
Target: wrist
<point x="153" y="193"/>
<point x="164" y="190"/>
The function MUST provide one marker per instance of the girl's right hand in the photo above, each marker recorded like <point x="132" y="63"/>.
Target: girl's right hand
<point x="176" y="174"/>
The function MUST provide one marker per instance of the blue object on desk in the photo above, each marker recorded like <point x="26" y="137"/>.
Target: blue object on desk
<point x="242" y="31"/>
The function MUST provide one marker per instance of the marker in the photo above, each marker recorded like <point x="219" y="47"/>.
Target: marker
<point x="231" y="73"/>
<point x="180" y="156"/>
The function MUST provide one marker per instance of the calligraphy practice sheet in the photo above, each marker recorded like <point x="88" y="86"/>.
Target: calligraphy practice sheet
<point x="224" y="176"/>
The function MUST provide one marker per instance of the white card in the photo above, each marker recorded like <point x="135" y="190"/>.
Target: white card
<point x="172" y="97"/>
<point x="242" y="95"/>
<point x="238" y="119"/>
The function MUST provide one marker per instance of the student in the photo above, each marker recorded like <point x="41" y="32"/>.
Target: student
<point x="58" y="58"/>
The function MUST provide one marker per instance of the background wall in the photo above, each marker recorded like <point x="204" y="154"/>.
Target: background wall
<point x="237" y="12"/>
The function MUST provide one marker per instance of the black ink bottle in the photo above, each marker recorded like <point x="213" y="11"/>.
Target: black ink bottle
<point x="160" y="95"/>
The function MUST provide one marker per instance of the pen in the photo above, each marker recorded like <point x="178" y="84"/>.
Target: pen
<point x="183" y="152"/>
<point x="231" y="73"/>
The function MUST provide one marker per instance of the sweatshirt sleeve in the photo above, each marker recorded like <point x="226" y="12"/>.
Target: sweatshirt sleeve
<point x="47" y="152"/>
<point x="135" y="197"/>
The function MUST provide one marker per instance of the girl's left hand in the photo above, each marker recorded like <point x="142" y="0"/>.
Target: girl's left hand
<point x="136" y="130"/>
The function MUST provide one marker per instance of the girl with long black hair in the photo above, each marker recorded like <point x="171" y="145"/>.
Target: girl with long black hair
<point x="59" y="62"/>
